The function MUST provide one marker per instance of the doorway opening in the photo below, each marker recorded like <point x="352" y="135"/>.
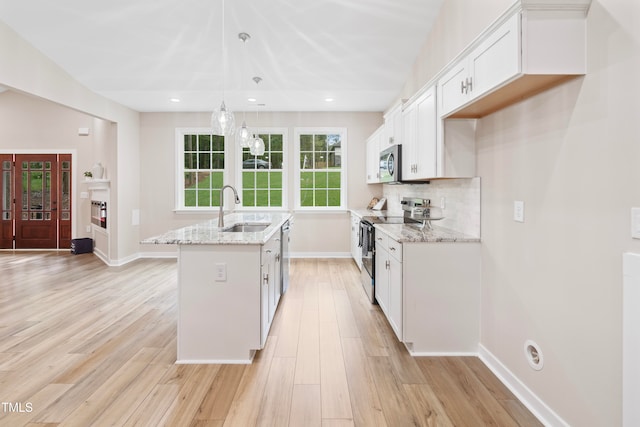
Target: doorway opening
<point x="36" y="201"/>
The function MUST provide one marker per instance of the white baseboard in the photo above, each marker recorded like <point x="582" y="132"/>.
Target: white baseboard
<point x="172" y="254"/>
<point x="320" y="255"/>
<point x="529" y="399"/>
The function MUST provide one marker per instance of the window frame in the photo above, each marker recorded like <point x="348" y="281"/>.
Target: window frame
<point x="180" y="169"/>
<point x="285" y="169"/>
<point x="342" y="131"/>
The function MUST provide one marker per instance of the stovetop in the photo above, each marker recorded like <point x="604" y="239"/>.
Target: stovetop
<point x="384" y="219"/>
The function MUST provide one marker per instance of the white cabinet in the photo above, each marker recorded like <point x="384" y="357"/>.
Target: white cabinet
<point x="531" y="48"/>
<point x="494" y="61"/>
<point x="270" y="286"/>
<point x="430" y="293"/>
<point x="389" y="280"/>
<point x="419" y="150"/>
<point x="356" y="250"/>
<point x="441" y="295"/>
<point x="373" y="156"/>
<point x="393" y="128"/>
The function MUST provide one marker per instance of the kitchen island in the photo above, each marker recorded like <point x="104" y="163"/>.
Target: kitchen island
<point x="228" y="285"/>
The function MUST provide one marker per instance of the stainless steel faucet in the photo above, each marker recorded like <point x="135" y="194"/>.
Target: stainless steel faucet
<point x="221" y="214"/>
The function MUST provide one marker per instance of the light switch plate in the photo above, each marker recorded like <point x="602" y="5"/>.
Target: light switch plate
<point x="635" y="223"/>
<point x="220" y="272"/>
<point x="518" y="211"/>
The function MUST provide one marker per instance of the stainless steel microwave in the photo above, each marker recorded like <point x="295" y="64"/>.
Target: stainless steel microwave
<point x="390" y="167"/>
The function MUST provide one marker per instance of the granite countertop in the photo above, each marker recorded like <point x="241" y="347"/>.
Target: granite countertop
<point x="412" y="234"/>
<point x="208" y="233"/>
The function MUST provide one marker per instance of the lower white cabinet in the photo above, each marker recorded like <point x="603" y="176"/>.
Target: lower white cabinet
<point x="356" y="250"/>
<point x="389" y="280"/>
<point x="226" y="319"/>
<point x="270" y="287"/>
<point x="430" y="294"/>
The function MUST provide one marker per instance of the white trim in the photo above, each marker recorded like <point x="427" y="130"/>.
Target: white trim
<point x="320" y="255"/>
<point x="158" y="255"/>
<point x="342" y="131"/>
<point x="538" y="408"/>
<point x="179" y="164"/>
<point x="441" y="353"/>
<point x="214" y="361"/>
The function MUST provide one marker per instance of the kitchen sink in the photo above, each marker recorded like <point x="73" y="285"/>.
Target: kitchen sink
<point x="245" y="228"/>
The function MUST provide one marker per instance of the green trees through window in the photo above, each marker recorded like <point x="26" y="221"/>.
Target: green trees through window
<point x="321" y="169"/>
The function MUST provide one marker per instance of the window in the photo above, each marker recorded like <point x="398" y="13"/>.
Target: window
<point x="263" y="179"/>
<point x="201" y="161"/>
<point x="320" y="168"/>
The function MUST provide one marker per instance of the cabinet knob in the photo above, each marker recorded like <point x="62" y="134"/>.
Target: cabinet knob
<point x="470" y="84"/>
<point x="462" y="86"/>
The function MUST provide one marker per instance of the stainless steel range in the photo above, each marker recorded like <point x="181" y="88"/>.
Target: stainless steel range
<point x="416" y="211"/>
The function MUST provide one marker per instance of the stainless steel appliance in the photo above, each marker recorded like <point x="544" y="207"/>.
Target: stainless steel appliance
<point x="285" y="239"/>
<point x="390" y="167"/>
<point x="420" y="212"/>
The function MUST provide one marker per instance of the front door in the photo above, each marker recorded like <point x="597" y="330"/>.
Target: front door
<point x="36" y="201"/>
<point x="7" y="197"/>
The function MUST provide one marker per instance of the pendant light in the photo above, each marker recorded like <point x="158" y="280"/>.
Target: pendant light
<point x="256" y="146"/>
<point x="243" y="134"/>
<point x="222" y="119"/>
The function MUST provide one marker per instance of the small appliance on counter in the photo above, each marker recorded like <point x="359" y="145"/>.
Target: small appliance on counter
<point x="420" y="212"/>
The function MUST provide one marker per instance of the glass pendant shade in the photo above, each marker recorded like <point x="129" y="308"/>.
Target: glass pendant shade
<point x="222" y="121"/>
<point x="244" y="137"/>
<point x="257" y="146"/>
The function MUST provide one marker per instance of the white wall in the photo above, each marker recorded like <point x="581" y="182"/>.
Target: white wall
<point x="571" y="155"/>
<point x="26" y="70"/>
<point x="323" y="234"/>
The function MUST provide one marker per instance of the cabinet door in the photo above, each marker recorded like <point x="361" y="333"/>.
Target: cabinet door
<point x="382" y="279"/>
<point x="356" y="250"/>
<point x="451" y="88"/>
<point x="393" y="130"/>
<point x="395" y="296"/>
<point x="496" y="60"/>
<point x="426" y="138"/>
<point x="373" y="157"/>
<point x="409" y="146"/>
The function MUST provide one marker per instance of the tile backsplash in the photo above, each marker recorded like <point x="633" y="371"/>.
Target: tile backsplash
<point x="461" y="201"/>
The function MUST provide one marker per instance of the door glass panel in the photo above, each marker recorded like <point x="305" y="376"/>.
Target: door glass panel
<point x="47" y="191"/>
<point x="35" y="165"/>
<point x="36" y="216"/>
<point x="66" y="165"/>
<point x="25" y="190"/>
<point x="36" y="184"/>
<point x="47" y="166"/>
<point x="6" y="165"/>
<point x="25" y="165"/>
<point x="66" y="190"/>
<point x="6" y="191"/>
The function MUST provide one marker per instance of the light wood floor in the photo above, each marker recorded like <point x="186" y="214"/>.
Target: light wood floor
<point x="84" y="344"/>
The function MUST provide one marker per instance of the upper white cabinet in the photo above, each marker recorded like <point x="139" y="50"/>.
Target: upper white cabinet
<point x="419" y="118"/>
<point x="373" y="156"/>
<point x="392" y="127"/>
<point x="527" y="50"/>
<point x="493" y="62"/>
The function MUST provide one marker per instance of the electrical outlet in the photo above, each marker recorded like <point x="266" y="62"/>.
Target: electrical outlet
<point x="88" y="229"/>
<point x="442" y="202"/>
<point x="518" y="211"/>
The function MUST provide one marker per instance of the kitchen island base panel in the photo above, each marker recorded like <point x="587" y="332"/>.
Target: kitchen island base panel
<point x="218" y="320"/>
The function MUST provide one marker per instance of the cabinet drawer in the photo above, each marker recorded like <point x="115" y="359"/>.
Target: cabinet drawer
<point x="394" y="248"/>
<point x="382" y="240"/>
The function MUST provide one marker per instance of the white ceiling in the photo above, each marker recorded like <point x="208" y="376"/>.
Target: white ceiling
<point x="141" y="53"/>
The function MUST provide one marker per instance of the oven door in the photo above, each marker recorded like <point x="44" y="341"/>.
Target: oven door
<point x="367" y="244"/>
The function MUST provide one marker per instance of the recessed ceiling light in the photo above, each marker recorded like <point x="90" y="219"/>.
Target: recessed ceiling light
<point x="252" y="100"/>
<point x="328" y="99"/>
<point x="174" y="99"/>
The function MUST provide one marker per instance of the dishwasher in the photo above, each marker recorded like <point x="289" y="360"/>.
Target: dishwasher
<point x="285" y="239"/>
